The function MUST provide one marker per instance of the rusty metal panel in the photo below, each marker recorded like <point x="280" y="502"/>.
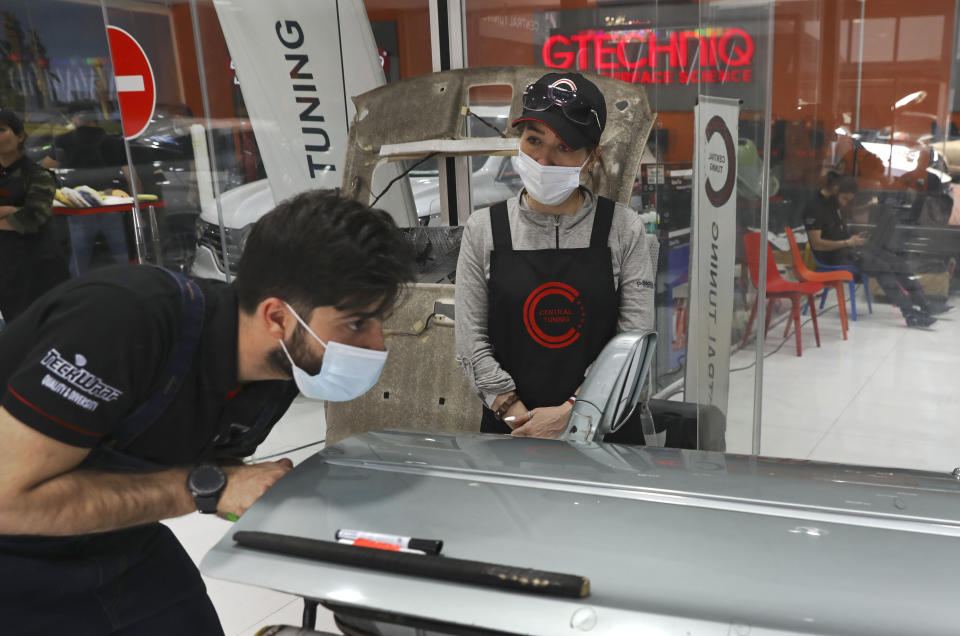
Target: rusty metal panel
<point x="421" y="387"/>
<point x="433" y="107"/>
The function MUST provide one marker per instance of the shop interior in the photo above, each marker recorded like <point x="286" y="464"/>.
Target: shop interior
<point x="854" y="88"/>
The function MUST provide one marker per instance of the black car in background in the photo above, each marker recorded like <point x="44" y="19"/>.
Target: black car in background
<point x="163" y="157"/>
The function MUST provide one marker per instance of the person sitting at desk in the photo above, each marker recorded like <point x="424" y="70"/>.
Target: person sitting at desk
<point x="833" y="244"/>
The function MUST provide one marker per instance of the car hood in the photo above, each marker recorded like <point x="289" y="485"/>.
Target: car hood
<point x="671" y="540"/>
<point x="241" y="206"/>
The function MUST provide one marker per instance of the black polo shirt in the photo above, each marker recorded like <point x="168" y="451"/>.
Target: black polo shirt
<point x="823" y="214"/>
<point x="91" y="351"/>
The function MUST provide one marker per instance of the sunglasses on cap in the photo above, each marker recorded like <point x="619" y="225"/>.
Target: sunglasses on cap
<point x="540" y="97"/>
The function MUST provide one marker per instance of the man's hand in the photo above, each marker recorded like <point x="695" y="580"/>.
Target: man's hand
<point x="5" y="212"/>
<point x="548" y="421"/>
<point x="247" y="483"/>
<point x="858" y="240"/>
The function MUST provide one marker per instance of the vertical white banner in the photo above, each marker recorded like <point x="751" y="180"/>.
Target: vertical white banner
<point x="712" y="258"/>
<point x="299" y="64"/>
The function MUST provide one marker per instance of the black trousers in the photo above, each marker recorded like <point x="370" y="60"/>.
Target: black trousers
<point x="136" y="582"/>
<point x="29" y="267"/>
<point x="899" y="284"/>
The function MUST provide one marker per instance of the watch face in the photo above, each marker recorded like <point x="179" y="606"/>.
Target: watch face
<point x="206" y="480"/>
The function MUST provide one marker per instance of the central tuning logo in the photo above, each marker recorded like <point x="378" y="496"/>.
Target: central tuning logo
<point x="554" y="315"/>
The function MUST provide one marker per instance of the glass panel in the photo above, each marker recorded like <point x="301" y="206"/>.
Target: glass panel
<point x="863" y="90"/>
<point x="62" y="86"/>
<point x="738" y="38"/>
<point x="199" y="149"/>
<point x="157" y="139"/>
<point x="279" y="118"/>
<point x="652" y="44"/>
<point x="403" y="35"/>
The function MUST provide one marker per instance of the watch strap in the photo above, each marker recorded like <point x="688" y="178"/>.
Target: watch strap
<point x="207" y="505"/>
<point x="507" y="403"/>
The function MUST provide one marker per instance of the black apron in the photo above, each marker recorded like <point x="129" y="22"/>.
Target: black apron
<point x="551" y="311"/>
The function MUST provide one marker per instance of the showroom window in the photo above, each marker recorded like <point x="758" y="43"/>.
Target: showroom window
<point x="762" y="102"/>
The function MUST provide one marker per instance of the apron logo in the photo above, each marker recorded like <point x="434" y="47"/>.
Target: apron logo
<point x="554" y="315"/>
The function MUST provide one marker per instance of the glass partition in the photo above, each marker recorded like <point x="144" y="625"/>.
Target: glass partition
<point x="864" y="91"/>
<point x="57" y="76"/>
<point x="736" y="194"/>
<point x="672" y="51"/>
<point x="827" y="94"/>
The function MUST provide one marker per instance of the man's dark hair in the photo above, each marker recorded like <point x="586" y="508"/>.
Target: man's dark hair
<point x="12" y="120"/>
<point x="322" y="249"/>
<point x="845" y="182"/>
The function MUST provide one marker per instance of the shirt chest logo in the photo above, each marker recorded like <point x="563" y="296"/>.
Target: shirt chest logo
<point x="553" y="315"/>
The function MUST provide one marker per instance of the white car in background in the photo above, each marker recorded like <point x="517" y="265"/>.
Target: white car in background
<point x="242" y="207"/>
<point x="493" y="180"/>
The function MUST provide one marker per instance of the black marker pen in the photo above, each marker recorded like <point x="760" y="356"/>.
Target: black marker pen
<point x="430" y="546"/>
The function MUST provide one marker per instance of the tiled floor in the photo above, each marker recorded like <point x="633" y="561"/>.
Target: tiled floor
<point x="885" y="397"/>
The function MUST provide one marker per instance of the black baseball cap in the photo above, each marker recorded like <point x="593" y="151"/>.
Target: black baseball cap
<point x="12" y="120"/>
<point x="575" y="135"/>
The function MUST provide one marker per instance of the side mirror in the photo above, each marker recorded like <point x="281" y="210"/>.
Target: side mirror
<point x="611" y="392"/>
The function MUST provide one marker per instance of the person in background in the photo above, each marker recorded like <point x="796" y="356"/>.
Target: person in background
<point x="547" y="278"/>
<point x="30" y="259"/>
<point x="835" y="245"/>
<point x="96" y="159"/>
<point x="130" y="394"/>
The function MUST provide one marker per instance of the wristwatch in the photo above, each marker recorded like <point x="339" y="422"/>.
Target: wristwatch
<point x="206" y="483"/>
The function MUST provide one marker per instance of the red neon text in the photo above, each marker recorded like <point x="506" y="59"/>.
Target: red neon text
<point x="647" y="57"/>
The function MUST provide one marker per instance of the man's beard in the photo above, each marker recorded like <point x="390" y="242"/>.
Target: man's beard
<point x="302" y="356"/>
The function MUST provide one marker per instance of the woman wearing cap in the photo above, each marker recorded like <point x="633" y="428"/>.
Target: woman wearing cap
<point x="30" y="262"/>
<point x="547" y="278"/>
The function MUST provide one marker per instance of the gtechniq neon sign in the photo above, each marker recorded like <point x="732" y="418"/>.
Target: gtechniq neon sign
<point x="647" y="56"/>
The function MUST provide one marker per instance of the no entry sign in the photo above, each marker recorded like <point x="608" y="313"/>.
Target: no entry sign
<point x="136" y="89"/>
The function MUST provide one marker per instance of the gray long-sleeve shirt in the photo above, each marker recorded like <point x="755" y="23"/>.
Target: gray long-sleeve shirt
<point x="531" y="230"/>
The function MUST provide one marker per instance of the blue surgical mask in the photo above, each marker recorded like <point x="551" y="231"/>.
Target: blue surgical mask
<point x="347" y="372"/>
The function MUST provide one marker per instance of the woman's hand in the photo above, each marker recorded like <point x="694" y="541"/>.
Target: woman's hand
<point x="548" y="422"/>
<point x="516" y="415"/>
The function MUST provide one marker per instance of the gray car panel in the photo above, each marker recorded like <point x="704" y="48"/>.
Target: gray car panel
<point x="673" y="541"/>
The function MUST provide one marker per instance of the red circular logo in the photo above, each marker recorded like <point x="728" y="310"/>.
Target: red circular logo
<point x="554" y="315"/>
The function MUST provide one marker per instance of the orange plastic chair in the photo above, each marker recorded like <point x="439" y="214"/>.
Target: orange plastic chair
<point x="835" y="279"/>
<point x="778" y="288"/>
